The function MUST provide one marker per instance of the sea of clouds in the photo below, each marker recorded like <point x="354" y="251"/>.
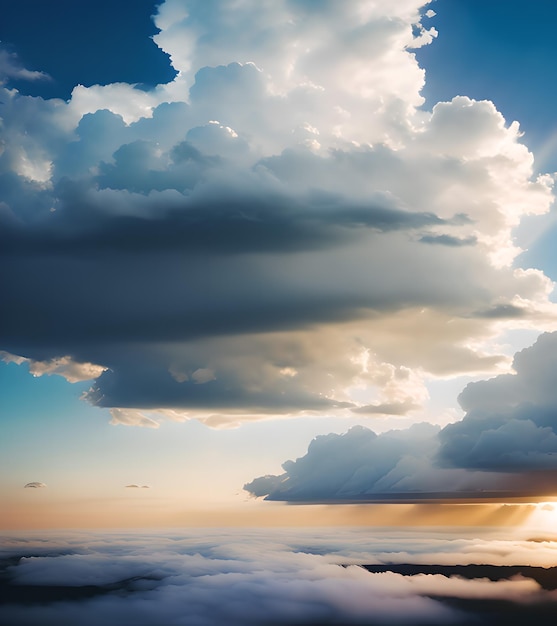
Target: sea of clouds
<point x="250" y="576"/>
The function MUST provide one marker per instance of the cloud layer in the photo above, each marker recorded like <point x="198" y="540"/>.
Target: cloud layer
<point x="250" y="578"/>
<point x="506" y="444"/>
<point x="263" y="235"/>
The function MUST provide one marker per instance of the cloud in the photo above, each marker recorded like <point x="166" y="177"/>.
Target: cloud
<point x="34" y="485"/>
<point x="361" y="465"/>
<point x="11" y="68"/>
<point x="506" y="444"/>
<point x="132" y="417"/>
<point x="137" y="487"/>
<point x="235" y="577"/>
<point x="283" y="205"/>
<point x="62" y="366"/>
<point x="510" y="422"/>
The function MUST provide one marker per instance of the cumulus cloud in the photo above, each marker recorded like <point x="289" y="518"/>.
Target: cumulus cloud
<point x="361" y="465"/>
<point x="510" y="423"/>
<point x="263" y="235"/>
<point x="34" y="485"/>
<point x="285" y="577"/>
<point x="506" y="444"/>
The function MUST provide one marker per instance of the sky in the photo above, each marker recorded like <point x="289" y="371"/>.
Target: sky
<point x="297" y="251"/>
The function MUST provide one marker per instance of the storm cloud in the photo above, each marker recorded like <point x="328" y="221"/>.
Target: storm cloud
<point x="249" y="241"/>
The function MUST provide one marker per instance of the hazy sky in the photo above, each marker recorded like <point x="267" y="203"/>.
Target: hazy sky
<point x="235" y="227"/>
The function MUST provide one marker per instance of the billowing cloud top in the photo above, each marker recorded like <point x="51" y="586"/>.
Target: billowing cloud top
<point x="34" y="485"/>
<point x="264" y="235"/>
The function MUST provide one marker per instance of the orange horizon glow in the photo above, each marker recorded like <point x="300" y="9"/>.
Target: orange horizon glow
<point x="35" y="514"/>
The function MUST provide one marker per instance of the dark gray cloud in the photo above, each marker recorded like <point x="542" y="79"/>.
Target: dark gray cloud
<point x="448" y="240"/>
<point x="228" y="221"/>
<point x="502" y="311"/>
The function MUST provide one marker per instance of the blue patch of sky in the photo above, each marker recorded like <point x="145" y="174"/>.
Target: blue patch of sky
<point x="503" y="51"/>
<point x="83" y="42"/>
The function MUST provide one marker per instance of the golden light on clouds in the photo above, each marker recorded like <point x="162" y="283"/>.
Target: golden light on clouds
<point x="543" y="518"/>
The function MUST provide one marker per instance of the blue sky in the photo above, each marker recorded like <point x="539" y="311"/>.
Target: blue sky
<point x="275" y="243"/>
<point x="497" y="51"/>
<point x="126" y="54"/>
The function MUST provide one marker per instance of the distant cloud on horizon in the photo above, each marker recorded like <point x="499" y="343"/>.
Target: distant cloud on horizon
<point x="34" y="485"/>
<point x="506" y="444"/>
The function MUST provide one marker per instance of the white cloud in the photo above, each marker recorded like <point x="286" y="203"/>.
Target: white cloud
<point x="132" y="417"/>
<point x="240" y="577"/>
<point x="360" y="465"/>
<point x="64" y="366"/>
<point x="283" y="206"/>
<point x="203" y="375"/>
<point x="11" y="68"/>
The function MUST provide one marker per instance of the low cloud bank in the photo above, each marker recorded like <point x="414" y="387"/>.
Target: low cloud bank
<point x="506" y="445"/>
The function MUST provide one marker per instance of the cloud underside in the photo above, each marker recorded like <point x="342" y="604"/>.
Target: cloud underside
<point x="505" y="446"/>
<point x="250" y="241"/>
<point x="300" y="579"/>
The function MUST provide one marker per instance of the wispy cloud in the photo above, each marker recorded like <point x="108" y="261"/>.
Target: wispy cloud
<point x="12" y="68"/>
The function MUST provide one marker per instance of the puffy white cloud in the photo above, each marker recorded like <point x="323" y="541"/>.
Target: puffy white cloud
<point x="283" y="205"/>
